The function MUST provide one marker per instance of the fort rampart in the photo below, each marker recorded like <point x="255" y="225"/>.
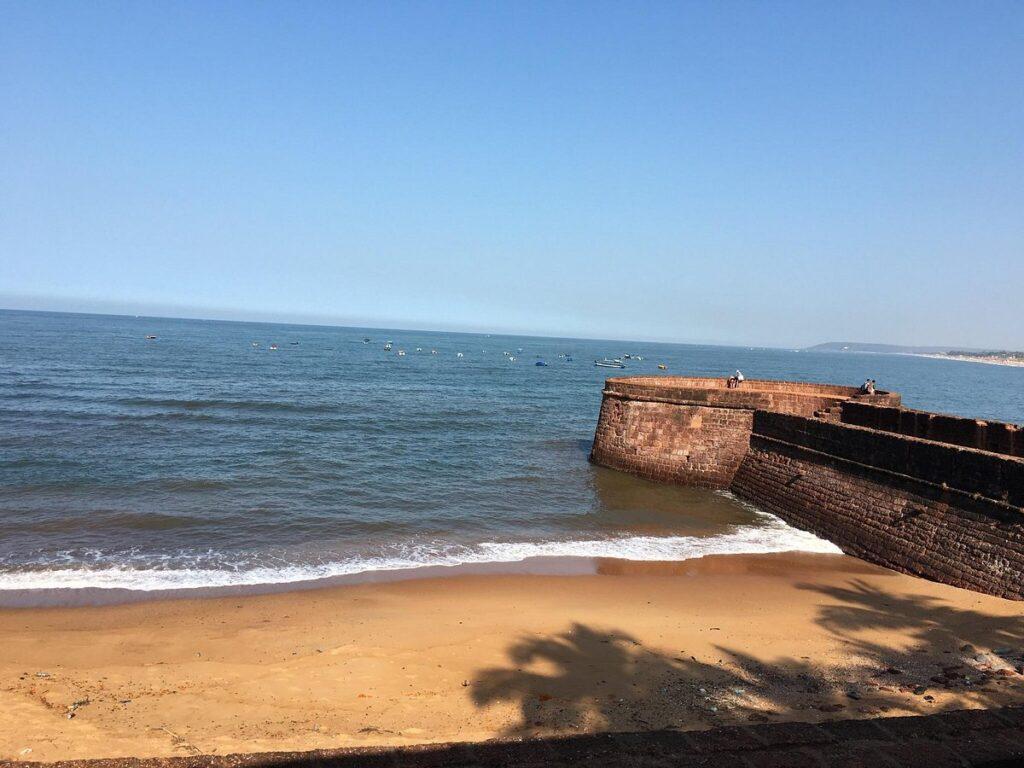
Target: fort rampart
<point x="932" y="495"/>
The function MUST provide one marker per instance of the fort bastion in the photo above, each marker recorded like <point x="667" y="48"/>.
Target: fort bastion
<point x="923" y="493"/>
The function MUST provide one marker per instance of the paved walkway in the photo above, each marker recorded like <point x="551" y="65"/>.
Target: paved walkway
<point x="976" y="738"/>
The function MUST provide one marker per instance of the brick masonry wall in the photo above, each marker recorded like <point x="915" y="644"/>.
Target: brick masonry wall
<point x="995" y="436"/>
<point x="991" y="475"/>
<point x="942" y="512"/>
<point x="687" y="444"/>
<point x="777" y="396"/>
<point x="696" y="431"/>
<point x="931" y="507"/>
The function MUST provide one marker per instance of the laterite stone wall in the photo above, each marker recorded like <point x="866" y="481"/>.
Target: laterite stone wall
<point x="944" y="512"/>
<point x="936" y="496"/>
<point x="696" y="431"/>
<point x="994" y="436"/>
<point x="686" y="444"/>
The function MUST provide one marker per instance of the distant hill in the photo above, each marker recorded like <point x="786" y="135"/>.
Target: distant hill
<point x="891" y="349"/>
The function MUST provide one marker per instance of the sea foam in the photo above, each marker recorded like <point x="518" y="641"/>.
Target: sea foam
<point x="773" y="535"/>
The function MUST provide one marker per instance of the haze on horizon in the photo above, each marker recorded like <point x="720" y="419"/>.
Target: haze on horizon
<point x="774" y="174"/>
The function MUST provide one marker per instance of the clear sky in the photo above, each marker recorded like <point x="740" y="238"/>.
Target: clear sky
<point x="756" y="173"/>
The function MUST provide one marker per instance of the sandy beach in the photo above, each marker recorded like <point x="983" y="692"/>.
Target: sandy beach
<point x="638" y="646"/>
<point x="1013" y="363"/>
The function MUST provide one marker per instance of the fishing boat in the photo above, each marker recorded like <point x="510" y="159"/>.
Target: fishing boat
<point x="609" y="364"/>
<point x="541" y="364"/>
<point x="387" y="347"/>
<point x="401" y="353"/>
<point x="273" y="346"/>
<point x="662" y="367"/>
<point x="150" y="337"/>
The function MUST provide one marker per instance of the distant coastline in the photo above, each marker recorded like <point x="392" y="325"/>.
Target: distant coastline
<point x="988" y="356"/>
<point x="1014" y="361"/>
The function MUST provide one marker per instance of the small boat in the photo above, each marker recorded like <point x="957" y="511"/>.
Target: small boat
<point x="627" y="355"/>
<point x="366" y="340"/>
<point x="401" y="353"/>
<point x="273" y="346"/>
<point x="150" y="337"/>
<point x="255" y="343"/>
<point x="419" y="349"/>
<point x="511" y="359"/>
<point x="459" y="354"/>
<point x="662" y="367"/>
<point x="294" y="343"/>
<point x="568" y="358"/>
<point x="433" y="351"/>
<point x="609" y="364"/>
<point x="387" y="347"/>
<point x="541" y="364"/>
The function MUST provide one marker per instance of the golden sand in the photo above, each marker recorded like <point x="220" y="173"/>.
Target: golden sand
<point x="686" y="645"/>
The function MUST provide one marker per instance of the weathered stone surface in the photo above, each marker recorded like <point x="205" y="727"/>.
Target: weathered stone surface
<point x="943" y="512"/>
<point x="687" y="444"/>
<point x="696" y="431"/>
<point x="931" y="495"/>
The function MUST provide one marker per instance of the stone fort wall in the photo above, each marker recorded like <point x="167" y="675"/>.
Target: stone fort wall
<point x="696" y="431"/>
<point x="994" y="436"/>
<point x="931" y="495"/>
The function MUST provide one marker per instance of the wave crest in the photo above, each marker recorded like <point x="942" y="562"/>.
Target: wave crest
<point x="773" y="536"/>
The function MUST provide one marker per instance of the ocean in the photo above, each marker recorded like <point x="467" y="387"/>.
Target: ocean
<point x="207" y="458"/>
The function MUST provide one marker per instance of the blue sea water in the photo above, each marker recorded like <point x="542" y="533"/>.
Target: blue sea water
<point x="205" y="458"/>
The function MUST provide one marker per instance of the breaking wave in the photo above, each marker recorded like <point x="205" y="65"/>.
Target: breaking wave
<point x="145" y="574"/>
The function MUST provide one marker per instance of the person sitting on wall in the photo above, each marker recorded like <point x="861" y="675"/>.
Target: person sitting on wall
<point x="735" y="380"/>
<point x="868" y="387"/>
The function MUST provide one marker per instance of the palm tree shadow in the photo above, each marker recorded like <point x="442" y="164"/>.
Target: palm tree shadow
<point x="928" y="621"/>
<point x="598" y="681"/>
<point x="906" y="653"/>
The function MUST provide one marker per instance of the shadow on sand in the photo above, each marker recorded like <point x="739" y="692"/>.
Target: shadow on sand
<point x="588" y="679"/>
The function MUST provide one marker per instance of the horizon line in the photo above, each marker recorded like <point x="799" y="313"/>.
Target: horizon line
<point x="298" y="324"/>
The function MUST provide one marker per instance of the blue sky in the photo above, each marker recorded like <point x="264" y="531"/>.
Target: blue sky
<point x="756" y="173"/>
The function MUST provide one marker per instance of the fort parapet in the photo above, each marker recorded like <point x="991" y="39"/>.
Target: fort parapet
<point x="928" y="494"/>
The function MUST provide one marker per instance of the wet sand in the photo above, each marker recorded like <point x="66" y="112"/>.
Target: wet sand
<point x="637" y="646"/>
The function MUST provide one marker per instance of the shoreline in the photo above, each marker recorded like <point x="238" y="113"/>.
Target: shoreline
<point x="634" y="646"/>
<point x="572" y="557"/>
<point x="97" y="597"/>
<point x="967" y="359"/>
